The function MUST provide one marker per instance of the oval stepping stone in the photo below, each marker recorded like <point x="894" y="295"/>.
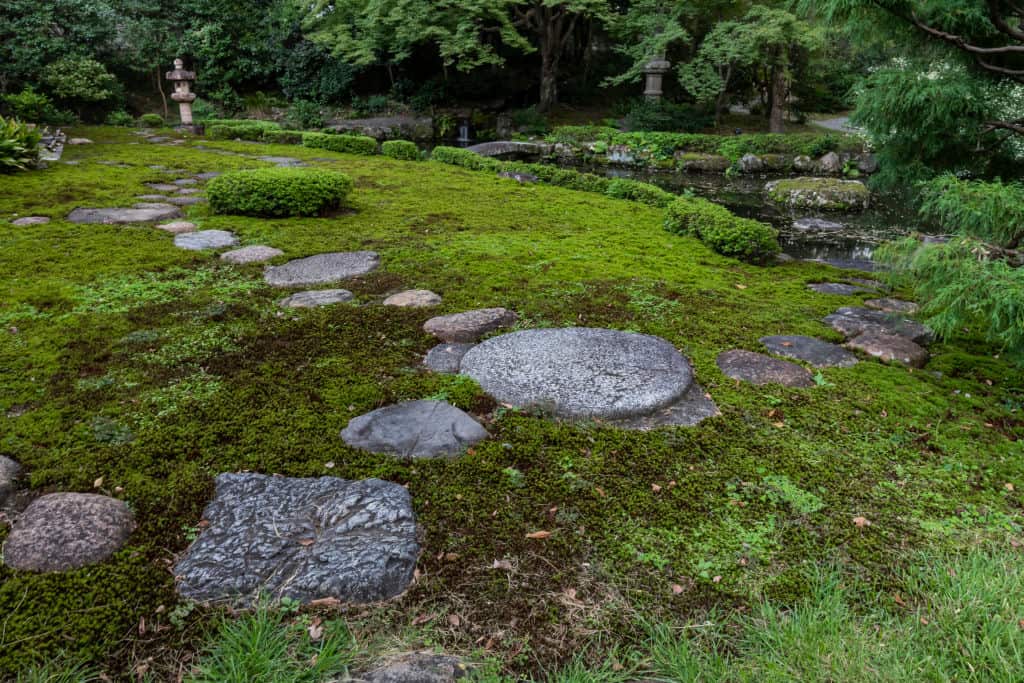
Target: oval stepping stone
<point x="162" y="187"/>
<point x="758" y="368"/>
<point x="152" y="197"/>
<point x="851" y="321"/>
<point x="181" y="182"/>
<point x="187" y="201"/>
<point x="580" y="372"/>
<point x="445" y="358"/>
<point x="414" y="429"/>
<point x="890" y="305"/>
<point x="188" y="190"/>
<point x="79" y="141"/>
<point x="9" y="473"/>
<point x="124" y="216"/>
<point x="30" y="220"/>
<point x="820" y="354"/>
<point x="891" y="348"/>
<point x="835" y="288"/>
<point x="254" y="254"/>
<point x="418" y="667"/>
<point x="152" y="205"/>
<point x="62" y="531"/>
<point x="316" y="297"/>
<point x="413" y="298"/>
<point x="205" y="239"/>
<point x="470" y="325"/>
<point x="177" y="227"/>
<point x="282" y="161"/>
<point x="208" y="175"/>
<point x="322" y="268"/>
<point x="302" y="539"/>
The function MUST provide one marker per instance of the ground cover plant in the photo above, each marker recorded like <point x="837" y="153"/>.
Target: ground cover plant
<point x="139" y="370"/>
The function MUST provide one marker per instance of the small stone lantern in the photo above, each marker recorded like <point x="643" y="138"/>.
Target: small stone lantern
<point x="183" y="95"/>
<point x="654" y="70"/>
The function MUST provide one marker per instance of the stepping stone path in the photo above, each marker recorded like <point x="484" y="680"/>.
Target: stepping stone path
<point x="581" y="372"/>
<point x="9" y="473"/>
<point x="63" y="531"/>
<point x="178" y="227"/>
<point x="758" y="368"/>
<point x="816" y="225"/>
<point x="30" y="220"/>
<point x="205" y="239"/>
<point x="414" y="298"/>
<point x="162" y="187"/>
<point x="820" y="354"/>
<point x="253" y="254"/>
<point x="303" y="539"/>
<point x="322" y="268"/>
<point x="316" y="297"/>
<point x="414" y="429"/>
<point x="123" y="216"/>
<point x="839" y="288"/>
<point x="445" y="358"/>
<point x="417" y="667"/>
<point x="889" y="348"/>
<point x="470" y="325"/>
<point x="851" y="321"/>
<point x="889" y="305"/>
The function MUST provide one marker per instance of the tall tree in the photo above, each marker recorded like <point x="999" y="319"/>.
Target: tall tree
<point x="646" y="30"/>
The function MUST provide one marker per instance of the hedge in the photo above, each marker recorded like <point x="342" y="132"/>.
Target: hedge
<point x="151" y="120"/>
<point x="645" y="193"/>
<point x="283" y="137"/>
<point x="265" y="125"/>
<point x="401" y="149"/>
<point x="726" y="233"/>
<point x="278" y="192"/>
<point x="457" y="156"/>
<point x="239" y="131"/>
<point x="349" y="144"/>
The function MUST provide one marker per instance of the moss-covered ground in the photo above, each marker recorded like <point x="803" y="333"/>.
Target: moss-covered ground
<point x="133" y="368"/>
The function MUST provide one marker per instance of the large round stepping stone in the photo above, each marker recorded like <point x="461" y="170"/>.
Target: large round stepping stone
<point x="839" y="288"/>
<point x="580" y="372"/>
<point x="413" y="298"/>
<point x="303" y="539"/>
<point x="446" y="358"/>
<point x="414" y="429"/>
<point x="820" y="354"/>
<point x="851" y="321"/>
<point x="123" y="216"/>
<point x="9" y="473"/>
<point x="891" y="348"/>
<point x="254" y="254"/>
<point x="316" y="297"/>
<point x="205" y="239"/>
<point x="758" y="368"/>
<point x="30" y="220"/>
<point x="890" y="305"/>
<point x="62" y="531"/>
<point x="470" y="325"/>
<point x="322" y="268"/>
<point x="177" y="227"/>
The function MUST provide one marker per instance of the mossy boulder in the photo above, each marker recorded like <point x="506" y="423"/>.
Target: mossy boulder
<point x="702" y="163"/>
<point x="826" y="194"/>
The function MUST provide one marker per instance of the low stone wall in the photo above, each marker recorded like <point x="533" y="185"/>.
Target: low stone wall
<point x="416" y="128"/>
<point x="513" y="150"/>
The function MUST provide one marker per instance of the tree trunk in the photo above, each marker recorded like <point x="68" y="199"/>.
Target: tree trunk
<point x="548" y="78"/>
<point x="160" y="89"/>
<point x="776" y="120"/>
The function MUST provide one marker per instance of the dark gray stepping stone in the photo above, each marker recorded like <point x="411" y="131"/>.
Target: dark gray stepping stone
<point x="835" y="288"/>
<point x="205" y="239"/>
<point x="316" y="297"/>
<point x="820" y="354"/>
<point x="322" y="268"/>
<point x="30" y="220"/>
<point x="282" y="161"/>
<point x="186" y="201"/>
<point x="890" y="305"/>
<point x="302" y="539"/>
<point x="254" y="254"/>
<point x="9" y="473"/>
<point x="207" y="175"/>
<point x="162" y="187"/>
<point x="156" y="139"/>
<point x="816" y="225"/>
<point x="851" y="321"/>
<point x="414" y="429"/>
<point x="580" y="372"/>
<point x="123" y="216"/>
<point x="63" y="531"/>
<point x="189" y="190"/>
<point x="470" y="325"/>
<point x="181" y="182"/>
<point x="152" y="197"/>
<point x="152" y="205"/>
<point x="414" y="298"/>
<point x="891" y="348"/>
<point x="418" y="667"/>
<point x="695" y="406"/>
<point x="445" y="358"/>
<point x="758" y="368"/>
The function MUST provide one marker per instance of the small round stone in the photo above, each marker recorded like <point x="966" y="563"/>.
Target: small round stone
<point x="316" y="297"/>
<point x="580" y="372"/>
<point x="63" y="531"/>
<point x="322" y="268"/>
<point x="205" y="239"/>
<point x="178" y="227"/>
<point x="30" y="220"/>
<point x="758" y="368"/>
<point x="445" y="358"/>
<point x="891" y="348"/>
<point x="254" y="254"/>
<point x="469" y="325"/>
<point x="414" y="429"/>
<point x="413" y="298"/>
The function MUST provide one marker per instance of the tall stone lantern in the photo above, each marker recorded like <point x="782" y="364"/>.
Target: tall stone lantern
<point x="654" y="71"/>
<point x="183" y="95"/>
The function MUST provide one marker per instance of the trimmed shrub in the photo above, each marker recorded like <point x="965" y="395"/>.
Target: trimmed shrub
<point x="349" y="144"/>
<point x="283" y="137"/>
<point x="278" y="192"/>
<point x="240" y="131"/>
<point x="119" y="118"/>
<point x="265" y="125"/>
<point x="151" y="120"/>
<point x="645" y="193"/>
<point x="726" y="233"/>
<point x="401" y="149"/>
<point x="462" y="157"/>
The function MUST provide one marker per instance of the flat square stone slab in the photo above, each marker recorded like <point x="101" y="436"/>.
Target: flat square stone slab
<point x="820" y="354"/>
<point x="205" y="239"/>
<point x="316" y="297"/>
<point x="322" y="268"/>
<point x="414" y="429"/>
<point x="123" y="216"/>
<point x="303" y="539"/>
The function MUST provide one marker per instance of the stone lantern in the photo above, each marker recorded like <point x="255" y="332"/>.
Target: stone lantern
<point x="654" y="71"/>
<point x="183" y="95"/>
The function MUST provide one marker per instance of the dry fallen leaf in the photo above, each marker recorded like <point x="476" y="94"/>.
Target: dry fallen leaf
<point x="316" y="630"/>
<point x="1008" y="486"/>
<point x="502" y="564"/>
<point x="422" y="619"/>
<point x="861" y="522"/>
<point x="539" y="535"/>
<point x="454" y="620"/>
<point x="739" y="286"/>
<point x="716" y="579"/>
<point x="306" y="541"/>
<point x="599" y="491"/>
<point x="655" y="488"/>
<point x="898" y="600"/>
<point x="676" y="588"/>
<point x="451" y="557"/>
<point x="98" y="483"/>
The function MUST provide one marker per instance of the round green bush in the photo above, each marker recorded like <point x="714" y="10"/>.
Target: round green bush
<point x="278" y="192"/>
<point x="401" y="149"/>
<point x="151" y="121"/>
<point x="726" y="233"/>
